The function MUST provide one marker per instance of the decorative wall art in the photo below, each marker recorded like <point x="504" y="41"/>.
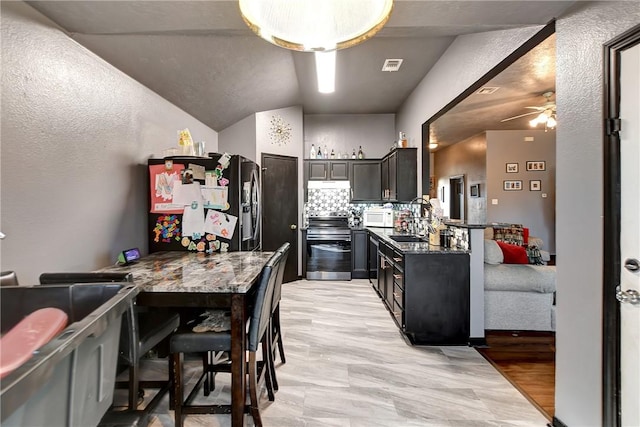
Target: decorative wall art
<point x="280" y="131"/>
<point x="537" y="165"/>
<point x="474" y="191"/>
<point x="512" y="185"/>
<point x="535" y="185"/>
<point x="512" y="168"/>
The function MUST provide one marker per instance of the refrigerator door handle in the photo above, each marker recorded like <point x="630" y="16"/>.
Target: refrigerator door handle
<point x="256" y="227"/>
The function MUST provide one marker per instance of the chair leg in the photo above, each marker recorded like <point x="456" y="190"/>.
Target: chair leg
<point x="267" y="366"/>
<point x="272" y="358"/>
<point x="176" y="368"/>
<point x="276" y="323"/>
<point x="253" y="389"/>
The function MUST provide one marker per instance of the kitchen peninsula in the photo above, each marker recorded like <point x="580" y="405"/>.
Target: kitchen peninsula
<point x="430" y="290"/>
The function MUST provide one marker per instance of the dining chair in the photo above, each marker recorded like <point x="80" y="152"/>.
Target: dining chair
<point x="275" y="333"/>
<point x="206" y="342"/>
<point x="141" y="332"/>
<point x="8" y="278"/>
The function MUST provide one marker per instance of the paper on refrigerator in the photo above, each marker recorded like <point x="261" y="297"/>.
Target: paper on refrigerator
<point x="219" y="223"/>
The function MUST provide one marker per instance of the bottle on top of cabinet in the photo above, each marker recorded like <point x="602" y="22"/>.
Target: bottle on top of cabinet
<point x="353" y="155"/>
<point x="360" y="153"/>
<point x="312" y="153"/>
<point x="319" y="155"/>
<point x="325" y="154"/>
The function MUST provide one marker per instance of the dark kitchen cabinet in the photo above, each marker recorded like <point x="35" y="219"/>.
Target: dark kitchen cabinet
<point x="373" y="258"/>
<point x="326" y="170"/>
<point x="399" y="175"/>
<point x="359" y="254"/>
<point x="365" y="180"/>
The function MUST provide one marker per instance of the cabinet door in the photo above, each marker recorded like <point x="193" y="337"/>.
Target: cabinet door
<point x="373" y="259"/>
<point x="406" y="174"/>
<point x="359" y="248"/>
<point x="318" y="171"/>
<point x="393" y="181"/>
<point x="365" y="181"/>
<point x="384" y="174"/>
<point x="338" y="171"/>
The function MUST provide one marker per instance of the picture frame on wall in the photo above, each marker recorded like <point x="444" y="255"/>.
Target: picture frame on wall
<point x="535" y="185"/>
<point x="474" y="191"/>
<point x="512" y="185"/>
<point x="536" y="165"/>
<point x="512" y="168"/>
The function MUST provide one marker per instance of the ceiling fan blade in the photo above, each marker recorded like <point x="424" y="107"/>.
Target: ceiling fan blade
<point x="536" y="108"/>
<point x="517" y="117"/>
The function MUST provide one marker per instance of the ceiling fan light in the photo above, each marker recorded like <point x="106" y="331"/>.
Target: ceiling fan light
<point x="533" y="123"/>
<point x="320" y="25"/>
<point x="433" y="145"/>
<point x="551" y="123"/>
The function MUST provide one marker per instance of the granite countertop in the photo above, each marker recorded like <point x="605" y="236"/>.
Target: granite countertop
<point x="412" y="247"/>
<point x="176" y="271"/>
<point x="463" y="224"/>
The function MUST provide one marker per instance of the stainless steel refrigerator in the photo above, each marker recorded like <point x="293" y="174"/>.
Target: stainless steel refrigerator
<point x="235" y="181"/>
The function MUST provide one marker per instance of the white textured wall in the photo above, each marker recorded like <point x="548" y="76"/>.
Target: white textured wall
<point x="76" y="133"/>
<point x="240" y="138"/>
<point x="346" y="132"/>
<point x="467" y="59"/>
<point x="580" y="34"/>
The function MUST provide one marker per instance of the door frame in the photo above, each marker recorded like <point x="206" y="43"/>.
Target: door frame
<point x="611" y="380"/>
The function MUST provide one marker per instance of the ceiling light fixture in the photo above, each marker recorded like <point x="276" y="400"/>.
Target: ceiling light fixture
<point x="326" y="71"/>
<point x="320" y="25"/>
<point x="547" y="117"/>
<point x="433" y="145"/>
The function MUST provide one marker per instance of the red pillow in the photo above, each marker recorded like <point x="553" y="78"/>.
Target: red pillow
<point x="513" y="254"/>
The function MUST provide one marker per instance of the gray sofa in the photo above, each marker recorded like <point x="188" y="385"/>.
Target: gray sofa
<point x="518" y="296"/>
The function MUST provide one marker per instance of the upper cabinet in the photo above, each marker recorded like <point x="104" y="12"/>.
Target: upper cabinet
<point x="399" y="170"/>
<point x="365" y="181"/>
<point x="327" y="170"/>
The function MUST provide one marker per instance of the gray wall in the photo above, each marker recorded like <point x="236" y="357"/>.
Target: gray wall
<point x="344" y="132"/>
<point x="466" y="158"/>
<point x="581" y="33"/>
<point x="525" y="207"/>
<point x="76" y="134"/>
<point x="240" y="138"/>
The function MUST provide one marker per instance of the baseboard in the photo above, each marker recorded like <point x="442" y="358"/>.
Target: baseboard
<point x="477" y="342"/>
<point x="557" y="423"/>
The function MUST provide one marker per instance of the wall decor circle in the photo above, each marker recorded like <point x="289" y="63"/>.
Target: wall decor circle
<point x="280" y="130"/>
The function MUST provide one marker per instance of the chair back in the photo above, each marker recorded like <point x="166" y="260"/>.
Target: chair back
<point x="262" y="303"/>
<point x="8" y="278"/>
<point x="84" y="277"/>
<point x="277" y="291"/>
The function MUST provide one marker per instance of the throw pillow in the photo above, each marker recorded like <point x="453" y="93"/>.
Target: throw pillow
<point x="492" y="252"/>
<point x="513" y="233"/>
<point x="534" y="255"/>
<point x="513" y="254"/>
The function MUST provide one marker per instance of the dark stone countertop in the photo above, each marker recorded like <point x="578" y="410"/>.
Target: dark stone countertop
<point x="412" y="247"/>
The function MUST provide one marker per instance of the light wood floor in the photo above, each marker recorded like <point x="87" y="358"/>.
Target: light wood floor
<point x="527" y="360"/>
<point x="348" y="366"/>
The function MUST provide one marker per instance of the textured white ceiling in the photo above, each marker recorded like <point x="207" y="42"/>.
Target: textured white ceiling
<point x="201" y="56"/>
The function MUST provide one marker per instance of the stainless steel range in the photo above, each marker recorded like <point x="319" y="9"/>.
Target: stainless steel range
<point x="328" y="247"/>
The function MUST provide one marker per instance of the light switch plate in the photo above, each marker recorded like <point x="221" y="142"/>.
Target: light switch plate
<point x="494" y="201"/>
<point x="544" y="195"/>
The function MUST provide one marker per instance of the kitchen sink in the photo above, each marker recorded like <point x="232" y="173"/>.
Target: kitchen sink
<point x="406" y="238"/>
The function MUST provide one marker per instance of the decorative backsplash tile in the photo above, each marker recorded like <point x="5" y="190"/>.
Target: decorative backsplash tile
<point x="321" y="200"/>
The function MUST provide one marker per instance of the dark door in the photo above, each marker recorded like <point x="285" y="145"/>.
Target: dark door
<point x="384" y="174"/>
<point x="393" y="176"/>
<point x="280" y="208"/>
<point x="456" y="185"/>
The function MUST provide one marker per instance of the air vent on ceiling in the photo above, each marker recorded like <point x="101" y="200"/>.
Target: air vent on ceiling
<point x="392" y="64"/>
<point x="487" y="90"/>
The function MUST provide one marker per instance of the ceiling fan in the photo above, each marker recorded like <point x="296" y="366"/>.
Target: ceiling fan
<point x="546" y="113"/>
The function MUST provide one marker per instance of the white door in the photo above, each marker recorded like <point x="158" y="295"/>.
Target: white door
<point x="630" y="237"/>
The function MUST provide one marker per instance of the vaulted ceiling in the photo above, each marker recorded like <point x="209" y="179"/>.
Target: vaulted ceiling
<point x="201" y="56"/>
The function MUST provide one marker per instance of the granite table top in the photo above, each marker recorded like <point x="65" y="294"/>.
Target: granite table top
<point x="193" y="272"/>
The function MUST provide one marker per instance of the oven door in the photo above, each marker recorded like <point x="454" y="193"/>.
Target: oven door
<point x="328" y="258"/>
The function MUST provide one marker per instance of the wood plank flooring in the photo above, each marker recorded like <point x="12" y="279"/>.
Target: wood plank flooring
<point x="527" y="360"/>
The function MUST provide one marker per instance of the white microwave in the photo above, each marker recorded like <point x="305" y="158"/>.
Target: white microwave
<point x="377" y="217"/>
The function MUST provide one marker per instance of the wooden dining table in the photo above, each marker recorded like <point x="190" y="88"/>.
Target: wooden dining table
<point x="189" y="279"/>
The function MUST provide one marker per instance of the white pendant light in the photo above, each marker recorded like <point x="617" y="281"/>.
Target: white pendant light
<point x="315" y="25"/>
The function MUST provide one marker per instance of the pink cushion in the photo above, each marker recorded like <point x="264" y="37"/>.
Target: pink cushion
<point x="513" y="254"/>
<point x="31" y="333"/>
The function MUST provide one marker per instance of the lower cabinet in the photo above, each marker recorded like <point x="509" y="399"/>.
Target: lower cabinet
<point x="427" y="294"/>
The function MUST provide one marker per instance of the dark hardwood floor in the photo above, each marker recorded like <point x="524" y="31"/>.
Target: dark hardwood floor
<point x="527" y="360"/>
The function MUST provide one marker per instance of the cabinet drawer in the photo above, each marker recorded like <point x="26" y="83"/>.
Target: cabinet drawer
<point x="398" y="260"/>
<point x="398" y="314"/>
<point x="398" y="296"/>
<point x="398" y="279"/>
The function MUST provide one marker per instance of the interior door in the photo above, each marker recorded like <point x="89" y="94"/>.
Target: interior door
<point x="629" y="292"/>
<point x="280" y="208"/>
<point x="621" y="328"/>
